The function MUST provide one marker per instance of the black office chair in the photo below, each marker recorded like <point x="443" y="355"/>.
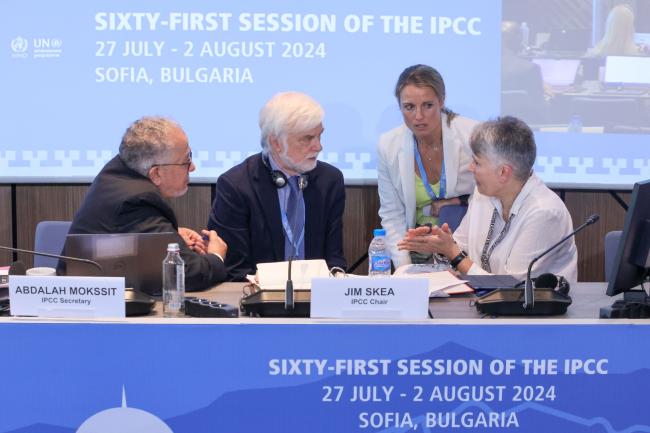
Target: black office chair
<point x="612" y="239"/>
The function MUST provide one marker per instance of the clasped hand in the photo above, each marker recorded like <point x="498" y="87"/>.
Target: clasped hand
<point x="429" y="240"/>
<point x="210" y="242"/>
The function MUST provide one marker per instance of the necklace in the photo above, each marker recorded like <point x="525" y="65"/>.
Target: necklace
<point x="434" y="148"/>
<point x="429" y="156"/>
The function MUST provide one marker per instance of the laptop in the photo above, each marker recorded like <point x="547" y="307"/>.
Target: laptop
<point x="486" y="283"/>
<point x="136" y="256"/>
<point x="560" y="74"/>
<point x="627" y="73"/>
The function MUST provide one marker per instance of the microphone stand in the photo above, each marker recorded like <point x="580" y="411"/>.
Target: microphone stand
<point x="55" y="256"/>
<point x="289" y="301"/>
<point x="529" y="293"/>
<point x="288" y="294"/>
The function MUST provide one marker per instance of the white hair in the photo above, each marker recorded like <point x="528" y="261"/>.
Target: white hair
<point x="288" y="112"/>
<point x="506" y="139"/>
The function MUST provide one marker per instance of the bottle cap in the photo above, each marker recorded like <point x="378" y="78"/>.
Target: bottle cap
<point x="379" y="232"/>
<point x="173" y="247"/>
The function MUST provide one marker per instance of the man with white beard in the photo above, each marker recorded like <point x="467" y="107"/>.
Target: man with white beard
<point x="282" y="202"/>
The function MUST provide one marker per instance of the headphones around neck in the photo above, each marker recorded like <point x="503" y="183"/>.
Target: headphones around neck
<point x="279" y="179"/>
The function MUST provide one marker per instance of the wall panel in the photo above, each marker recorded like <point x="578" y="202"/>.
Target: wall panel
<point x="193" y="208"/>
<point x="35" y="203"/>
<point x="591" y="241"/>
<point x="6" y="223"/>
<point x="359" y="219"/>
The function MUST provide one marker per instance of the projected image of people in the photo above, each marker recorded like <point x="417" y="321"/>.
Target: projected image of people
<point x="522" y="88"/>
<point x="618" y="39"/>
<point x="592" y="61"/>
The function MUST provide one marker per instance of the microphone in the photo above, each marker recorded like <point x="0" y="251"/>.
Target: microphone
<point x="55" y="256"/>
<point x="529" y="294"/>
<point x="288" y="292"/>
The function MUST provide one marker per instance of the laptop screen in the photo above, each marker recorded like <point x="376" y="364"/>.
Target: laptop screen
<point x="136" y="256"/>
<point x="627" y="70"/>
<point x="558" y="72"/>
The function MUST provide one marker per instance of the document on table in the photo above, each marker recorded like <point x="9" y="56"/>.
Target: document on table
<point x="273" y="276"/>
<point x="441" y="282"/>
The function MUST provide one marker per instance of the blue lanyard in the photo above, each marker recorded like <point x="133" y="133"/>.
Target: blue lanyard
<point x="425" y="180"/>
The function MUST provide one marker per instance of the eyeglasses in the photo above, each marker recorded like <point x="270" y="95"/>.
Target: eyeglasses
<point x="182" y="164"/>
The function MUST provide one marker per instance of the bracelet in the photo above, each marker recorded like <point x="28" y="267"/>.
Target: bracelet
<point x="458" y="259"/>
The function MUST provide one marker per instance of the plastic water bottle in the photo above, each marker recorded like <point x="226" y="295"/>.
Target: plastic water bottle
<point x="378" y="255"/>
<point x="525" y="35"/>
<point x="173" y="283"/>
<point x="575" y="124"/>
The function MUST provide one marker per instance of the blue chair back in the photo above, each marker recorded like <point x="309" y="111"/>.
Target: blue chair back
<point x="50" y="238"/>
<point x="612" y="239"/>
<point x="452" y="215"/>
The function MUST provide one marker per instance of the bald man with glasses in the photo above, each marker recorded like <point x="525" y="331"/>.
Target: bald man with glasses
<point x="130" y="195"/>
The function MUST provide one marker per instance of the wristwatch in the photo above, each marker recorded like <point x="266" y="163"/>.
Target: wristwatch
<point x="456" y="260"/>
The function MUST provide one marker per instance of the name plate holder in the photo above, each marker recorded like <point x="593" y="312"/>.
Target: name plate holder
<point x="69" y="297"/>
<point x="383" y="298"/>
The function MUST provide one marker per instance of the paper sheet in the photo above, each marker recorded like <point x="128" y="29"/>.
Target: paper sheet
<point x="273" y="276"/>
<point x="441" y="282"/>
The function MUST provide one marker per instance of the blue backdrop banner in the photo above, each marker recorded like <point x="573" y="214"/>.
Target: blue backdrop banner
<point x="323" y="378"/>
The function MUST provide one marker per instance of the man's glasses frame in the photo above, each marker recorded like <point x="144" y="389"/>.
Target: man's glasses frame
<point x="185" y="164"/>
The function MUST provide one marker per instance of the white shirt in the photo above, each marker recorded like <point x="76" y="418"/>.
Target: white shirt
<point x="539" y="219"/>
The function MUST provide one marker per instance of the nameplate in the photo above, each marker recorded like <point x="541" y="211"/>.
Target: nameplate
<point x="370" y="298"/>
<point x="83" y="297"/>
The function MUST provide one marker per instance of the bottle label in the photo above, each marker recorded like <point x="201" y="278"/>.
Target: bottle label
<point x="380" y="263"/>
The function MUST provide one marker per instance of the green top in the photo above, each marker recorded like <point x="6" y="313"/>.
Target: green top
<point x="422" y="201"/>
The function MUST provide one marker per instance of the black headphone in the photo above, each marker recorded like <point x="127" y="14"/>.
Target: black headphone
<point x="551" y="281"/>
<point x="279" y="179"/>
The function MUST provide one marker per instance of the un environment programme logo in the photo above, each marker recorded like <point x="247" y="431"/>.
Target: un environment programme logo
<point x="41" y="48"/>
<point x="19" y="46"/>
<point x="124" y="420"/>
<point x="47" y="48"/>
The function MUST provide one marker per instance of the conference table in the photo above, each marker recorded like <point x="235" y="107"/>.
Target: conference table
<point x="459" y="371"/>
<point x="587" y="300"/>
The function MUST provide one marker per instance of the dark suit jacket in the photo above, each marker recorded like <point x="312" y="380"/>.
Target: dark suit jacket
<point x="121" y="200"/>
<point x="522" y="88"/>
<point x="246" y="214"/>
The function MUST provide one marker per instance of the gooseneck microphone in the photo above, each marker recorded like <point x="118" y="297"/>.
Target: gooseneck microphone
<point x="55" y="256"/>
<point x="529" y="294"/>
<point x="289" y="301"/>
<point x="288" y="291"/>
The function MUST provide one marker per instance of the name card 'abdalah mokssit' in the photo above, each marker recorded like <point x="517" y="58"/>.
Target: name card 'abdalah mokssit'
<point x="66" y="296"/>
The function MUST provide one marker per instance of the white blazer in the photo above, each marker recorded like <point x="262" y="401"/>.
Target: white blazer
<point x="396" y="176"/>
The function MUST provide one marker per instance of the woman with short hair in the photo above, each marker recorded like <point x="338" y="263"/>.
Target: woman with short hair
<point x="512" y="218"/>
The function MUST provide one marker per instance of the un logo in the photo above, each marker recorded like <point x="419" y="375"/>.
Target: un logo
<point x="19" y="45"/>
